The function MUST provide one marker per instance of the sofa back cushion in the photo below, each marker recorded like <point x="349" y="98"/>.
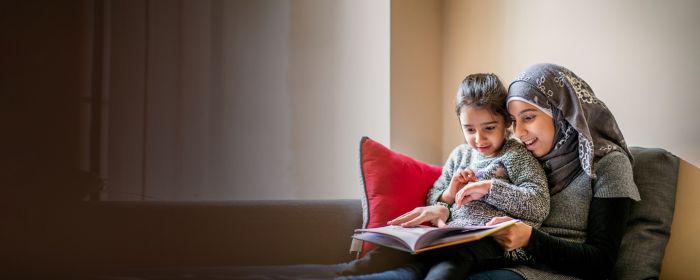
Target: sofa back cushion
<point x="392" y="183"/>
<point x="649" y="225"/>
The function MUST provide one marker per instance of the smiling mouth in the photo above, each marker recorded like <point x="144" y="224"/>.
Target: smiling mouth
<point x="529" y="143"/>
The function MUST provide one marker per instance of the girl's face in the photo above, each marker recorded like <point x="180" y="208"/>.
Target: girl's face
<point x="483" y="130"/>
<point x="532" y="126"/>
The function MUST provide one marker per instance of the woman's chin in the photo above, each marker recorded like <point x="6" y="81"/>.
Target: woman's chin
<point x="538" y="153"/>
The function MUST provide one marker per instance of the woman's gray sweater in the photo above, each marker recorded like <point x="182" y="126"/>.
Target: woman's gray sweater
<point x="569" y="211"/>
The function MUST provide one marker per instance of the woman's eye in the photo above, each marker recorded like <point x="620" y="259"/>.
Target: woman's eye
<point x="490" y="128"/>
<point x="529" y="117"/>
<point x="470" y="130"/>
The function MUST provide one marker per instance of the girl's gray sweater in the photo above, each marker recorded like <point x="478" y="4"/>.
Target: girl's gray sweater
<point x="518" y="185"/>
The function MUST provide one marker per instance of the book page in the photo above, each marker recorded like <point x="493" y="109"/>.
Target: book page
<point x="409" y="236"/>
<point x="417" y="239"/>
<point x="442" y="238"/>
<point x="384" y="240"/>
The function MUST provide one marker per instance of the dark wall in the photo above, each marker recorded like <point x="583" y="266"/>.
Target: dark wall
<point x="43" y="72"/>
<point x="43" y="58"/>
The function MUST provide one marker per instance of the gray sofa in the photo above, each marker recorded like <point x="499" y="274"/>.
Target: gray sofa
<point x="218" y="240"/>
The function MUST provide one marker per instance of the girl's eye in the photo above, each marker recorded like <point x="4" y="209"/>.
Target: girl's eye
<point x="529" y="117"/>
<point x="490" y="128"/>
<point x="470" y="130"/>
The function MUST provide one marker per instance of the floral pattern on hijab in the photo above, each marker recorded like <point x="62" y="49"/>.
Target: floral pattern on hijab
<point x="574" y="106"/>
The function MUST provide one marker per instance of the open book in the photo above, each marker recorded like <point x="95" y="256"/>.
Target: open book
<point x="423" y="238"/>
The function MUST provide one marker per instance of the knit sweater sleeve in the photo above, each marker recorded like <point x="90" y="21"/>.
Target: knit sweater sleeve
<point x="443" y="182"/>
<point x="526" y="196"/>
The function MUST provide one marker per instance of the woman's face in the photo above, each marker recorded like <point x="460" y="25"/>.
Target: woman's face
<point x="532" y="126"/>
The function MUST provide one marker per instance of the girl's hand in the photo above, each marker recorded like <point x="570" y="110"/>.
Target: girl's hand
<point x="436" y="214"/>
<point x="512" y="237"/>
<point x="472" y="191"/>
<point x="459" y="179"/>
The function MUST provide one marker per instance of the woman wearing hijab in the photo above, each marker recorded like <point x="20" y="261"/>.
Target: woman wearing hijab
<point x="589" y="171"/>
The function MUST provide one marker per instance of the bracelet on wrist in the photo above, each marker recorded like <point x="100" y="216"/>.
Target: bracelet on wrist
<point x="449" y="212"/>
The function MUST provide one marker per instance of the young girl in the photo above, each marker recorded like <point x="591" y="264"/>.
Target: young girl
<point x="490" y="176"/>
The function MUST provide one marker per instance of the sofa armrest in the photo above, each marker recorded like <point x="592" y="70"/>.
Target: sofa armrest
<point x="295" y="232"/>
<point x="108" y="235"/>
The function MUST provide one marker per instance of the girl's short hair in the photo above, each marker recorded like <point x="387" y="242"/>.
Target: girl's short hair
<point x="483" y="91"/>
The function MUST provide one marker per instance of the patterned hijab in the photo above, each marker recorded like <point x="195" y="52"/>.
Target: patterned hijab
<point x="585" y="130"/>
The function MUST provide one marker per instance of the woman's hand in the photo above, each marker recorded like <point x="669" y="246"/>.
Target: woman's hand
<point x="459" y="179"/>
<point x="512" y="237"/>
<point x="436" y="214"/>
<point x="472" y="191"/>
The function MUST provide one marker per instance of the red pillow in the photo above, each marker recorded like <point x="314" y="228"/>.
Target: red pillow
<point x="393" y="183"/>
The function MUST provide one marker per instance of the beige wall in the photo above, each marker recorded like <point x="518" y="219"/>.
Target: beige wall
<point x="471" y="44"/>
<point x="640" y="57"/>
<point x="338" y="79"/>
<point x="416" y="71"/>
